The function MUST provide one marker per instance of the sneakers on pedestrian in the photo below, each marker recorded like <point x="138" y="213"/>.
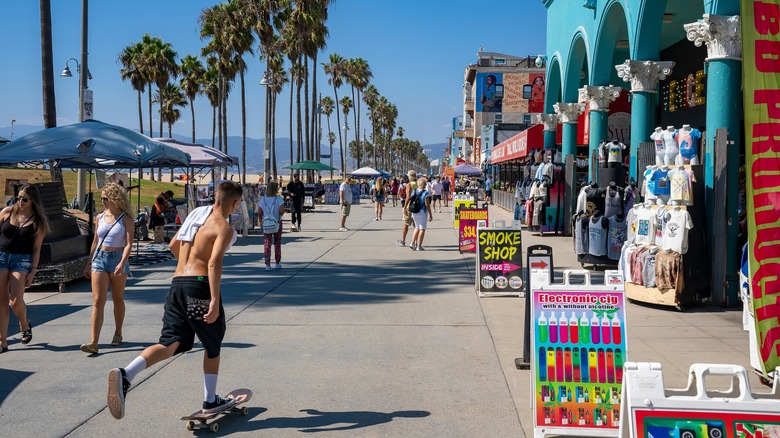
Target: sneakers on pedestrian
<point x="343" y="229"/>
<point x="219" y="404"/>
<point x="413" y="247"/>
<point x="118" y="385"/>
<point x="116" y="341"/>
<point x="419" y="248"/>
<point x="376" y="218"/>
<point x="278" y="266"/>
<point x="400" y="242"/>
<point x="90" y="348"/>
<point x="267" y="267"/>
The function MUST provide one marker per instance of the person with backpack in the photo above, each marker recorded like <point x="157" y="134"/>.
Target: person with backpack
<point x="406" y="192"/>
<point x="270" y="216"/>
<point x="420" y="207"/>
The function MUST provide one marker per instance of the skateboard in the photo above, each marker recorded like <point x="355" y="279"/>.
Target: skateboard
<point x="199" y="420"/>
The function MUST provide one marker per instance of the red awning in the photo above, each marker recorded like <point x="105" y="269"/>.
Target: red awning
<point x="519" y="145"/>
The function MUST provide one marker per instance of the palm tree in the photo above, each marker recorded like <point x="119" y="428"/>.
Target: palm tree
<point x="358" y="76"/>
<point x="278" y="77"/>
<point x="47" y="80"/>
<point x="171" y="98"/>
<point x="192" y="74"/>
<point x="346" y="105"/>
<point x="210" y="86"/>
<point x="331" y="140"/>
<point x="131" y="59"/>
<point x="327" y="105"/>
<point x="335" y="69"/>
<point x="370" y="98"/>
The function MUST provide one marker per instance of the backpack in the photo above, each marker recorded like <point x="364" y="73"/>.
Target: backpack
<point x="270" y="224"/>
<point x="416" y="201"/>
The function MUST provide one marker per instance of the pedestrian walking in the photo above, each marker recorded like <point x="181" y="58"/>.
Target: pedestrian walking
<point x="271" y="212"/>
<point x="378" y="195"/>
<point x="345" y="200"/>
<point x="22" y="229"/>
<point x="436" y="191"/>
<point x="297" y="193"/>
<point x="411" y="186"/>
<point x="446" y="188"/>
<point x="194" y="303"/>
<point x="421" y="217"/>
<point x="394" y="186"/>
<point x="110" y="254"/>
<point x="489" y="190"/>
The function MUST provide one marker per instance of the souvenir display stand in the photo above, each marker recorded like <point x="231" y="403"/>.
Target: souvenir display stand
<point x="691" y="276"/>
<point x="698" y="411"/>
<point x="578" y="347"/>
<point x="540" y="196"/>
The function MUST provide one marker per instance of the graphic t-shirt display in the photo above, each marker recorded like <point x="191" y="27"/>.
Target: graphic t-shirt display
<point x="617" y="236"/>
<point x="613" y="203"/>
<point x="688" y="141"/>
<point x="676" y="230"/>
<point x="615" y="149"/>
<point x="659" y="146"/>
<point x="681" y="185"/>
<point x="648" y="185"/>
<point x="645" y="229"/>
<point x="661" y="181"/>
<point x="597" y="236"/>
<point x="581" y="234"/>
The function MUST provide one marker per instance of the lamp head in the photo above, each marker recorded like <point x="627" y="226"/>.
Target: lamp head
<point x="539" y="61"/>
<point x="66" y="72"/>
<point x="265" y="81"/>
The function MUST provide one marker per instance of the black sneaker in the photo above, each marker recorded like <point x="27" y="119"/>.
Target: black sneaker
<point x="219" y="404"/>
<point x="118" y="385"/>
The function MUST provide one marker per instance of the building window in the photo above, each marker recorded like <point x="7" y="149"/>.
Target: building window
<point x="499" y="118"/>
<point x="527" y="91"/>
<point x="527" y="118"/>
<point x="500" y="61"/>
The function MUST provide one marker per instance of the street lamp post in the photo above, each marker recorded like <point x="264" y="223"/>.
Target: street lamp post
<point x="266" y="82"/>
<point x="345" y="128"/>
<point x="13" y="121"/>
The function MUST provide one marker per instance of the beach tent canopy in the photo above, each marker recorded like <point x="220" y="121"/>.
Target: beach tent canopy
<point x="465" y="169"/>
<point x="309" y="165"/>
<point x="201" y="155"/>
<point x="366" y="172"/>
<point x="93" y="144"/>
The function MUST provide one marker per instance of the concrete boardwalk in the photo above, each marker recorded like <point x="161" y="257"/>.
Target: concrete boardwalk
<point x="355" y="336"/>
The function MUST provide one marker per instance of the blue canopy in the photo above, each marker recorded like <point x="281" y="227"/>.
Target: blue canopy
<point x="93" y="144"/>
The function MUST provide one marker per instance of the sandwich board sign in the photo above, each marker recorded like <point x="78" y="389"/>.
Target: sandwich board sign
<point x="499" y="260"/>
<point x="578" y="347"/>
<point x="467" y="232"/>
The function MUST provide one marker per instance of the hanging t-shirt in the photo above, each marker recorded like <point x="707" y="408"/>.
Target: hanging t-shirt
<point x="597" y="236"/>
<point x="602" y="153"/>
<point x="636" y="266"/>
<point x="613" y="203"/>
<point x="660" y="221"/>
<point x="645" y="230"/>
<point x="676" y="230"/>
<point x="648" y="185"/>
<point x="594" y="200"/>
<point x="582" y="200"/>
<point x="681" y="185"/>
<point x="660" y="179"/>
<point x="688" y="141"/>
<point x="631" y="225"/>
<point x="648" y="267"/>
<point x="615" y="150"/>
<point x="539" y="212"/>
<point x="616" y="237"/>
<point x="624" y="264"/>
<point x="671" y="148"/>
<point x="629" y="199"/>
<point x="529" y="212"/>
<point x="668" y="271"/>
<point x="581" y="234"/>
<point x="660" y="149"/>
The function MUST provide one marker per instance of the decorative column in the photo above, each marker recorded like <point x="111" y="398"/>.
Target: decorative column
<point x="644" y="77"/>
<point x="599" y="99"/>
<point x="569" y="113"/>
<point x="550" y="122"/>
<point x="722" y="35"/>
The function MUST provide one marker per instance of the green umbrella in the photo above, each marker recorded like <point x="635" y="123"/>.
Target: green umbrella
<point x="309" y="165"/>
<point x="4" y="140"/>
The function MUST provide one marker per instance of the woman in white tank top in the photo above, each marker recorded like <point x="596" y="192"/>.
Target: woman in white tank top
<point x="110" y="266"/>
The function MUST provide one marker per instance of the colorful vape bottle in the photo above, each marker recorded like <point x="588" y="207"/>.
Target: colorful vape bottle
<point x="575" y="364"/>
<point x="584" y="364"/>
<point x="552" y="325"/>
<point x="616" y="334"/>
<point x="559" y="374"/>
<point x="544" y="334"/>
<point x="551" y="364"/>
<point x="619" y="365"/>
<point x="574" y="334"/>
<point x="568" y="395"/>
<point x="605" y="329"/>
<point x="595" y="329"/>
<point x="563" y="328"/>
<point x="610" y="366"/>
<point x="567" y="364"/>
<point x="542" y="364"/>
<point x="602" y="366"/>
<point x="587" y="395"/>
<point x="593" y="365"/>
<point x="584" y="329"/>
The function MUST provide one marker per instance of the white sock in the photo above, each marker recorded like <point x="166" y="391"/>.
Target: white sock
<point x="136" y="366"/>
<point x="210" y="387"/>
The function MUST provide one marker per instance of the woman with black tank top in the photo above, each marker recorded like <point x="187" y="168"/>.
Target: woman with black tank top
<point x="22" y="229"/>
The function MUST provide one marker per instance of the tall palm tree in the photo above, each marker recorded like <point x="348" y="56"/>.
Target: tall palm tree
<point x="47" y="77"/>
<point x="335" y="70"/>
<point x="328" y="105"/>
<point x="210" y="85"/>
<point x="171" y="98"/>
<point x="192" y="74"/>
<point x="278" y="77"/>
<point x="159" y="61"/>
<point x="131" y="59"/>
<point x="370" y="98"/>
<point x="358" y="76"/>
<point x="346" y="105"/>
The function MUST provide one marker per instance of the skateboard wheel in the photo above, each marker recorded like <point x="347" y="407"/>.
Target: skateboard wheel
<point x="190" y="426"/>
<point x="245" y="411"/>
<point x="213" y="427"/>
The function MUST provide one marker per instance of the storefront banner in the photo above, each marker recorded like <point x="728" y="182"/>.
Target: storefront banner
<point x="578" y="351"/>
<point x="518" y="145"/>
<point x="499" y="261"/>
<point x="467" y="234"/>
<point x="761" y="79"/>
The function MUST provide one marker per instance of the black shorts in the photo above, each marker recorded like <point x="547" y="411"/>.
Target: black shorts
<point x="187" y="302"/>
<point x="436" y="197"/>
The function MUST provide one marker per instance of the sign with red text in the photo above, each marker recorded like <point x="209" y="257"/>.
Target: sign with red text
<point x="467" y="224"/>
<point x="518" y="145"/>
<point x="761" y="80"/>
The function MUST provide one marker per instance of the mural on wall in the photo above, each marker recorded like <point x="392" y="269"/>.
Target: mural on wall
<point x="536" y="104"/>
<point x="513" y="93"/>
<point x="490" y="92"/>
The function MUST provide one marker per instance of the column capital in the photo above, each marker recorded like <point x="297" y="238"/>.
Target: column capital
<point x="550" y="121"/>
<point x="569" y="111"/>
<point x="599" y="96"/>
<point x="721" y="33"/>
<point x="644" y="75"/>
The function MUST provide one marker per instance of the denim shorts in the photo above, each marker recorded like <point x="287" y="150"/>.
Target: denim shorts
<point x="15" y="262"/>
<point x="107" y="261"/>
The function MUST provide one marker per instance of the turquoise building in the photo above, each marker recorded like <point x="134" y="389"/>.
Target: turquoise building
<point x="680" y="60"/>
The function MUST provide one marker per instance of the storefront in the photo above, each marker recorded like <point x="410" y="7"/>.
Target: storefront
<point x="679" y="64"/>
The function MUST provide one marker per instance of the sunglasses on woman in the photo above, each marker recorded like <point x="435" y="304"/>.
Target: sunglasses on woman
<point x="25" y="200"/>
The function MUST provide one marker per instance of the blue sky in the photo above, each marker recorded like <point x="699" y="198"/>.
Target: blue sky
<point x="417" y="50"/>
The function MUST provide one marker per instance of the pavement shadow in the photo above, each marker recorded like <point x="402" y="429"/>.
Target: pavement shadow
<point x="318" y="421"/>
<point x="40" y="314"/>
<point x="9" y="381"/>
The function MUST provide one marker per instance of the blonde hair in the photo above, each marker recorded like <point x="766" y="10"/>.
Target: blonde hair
<point x="118" y="195"/>
<point x="41" y="221"/>
<point x="379" y="183"/>
<point x="422" y="183"/>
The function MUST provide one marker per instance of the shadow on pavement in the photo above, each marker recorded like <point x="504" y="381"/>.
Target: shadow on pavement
<point x="318" y="421"/>
<point x="11" y="379"/>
